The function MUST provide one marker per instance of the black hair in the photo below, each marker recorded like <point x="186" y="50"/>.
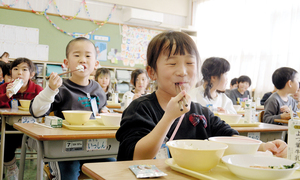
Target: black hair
<point x="102" y="72"/>
<point x="244" y="79"/>
<point x="234" y="81"/>
<point x="135" y="74"/>
<point x="78" y="39"/>
<point x="6" y="69"/>
<point x="2" y="64"/>
<point x="18" y="61"/>
<point x="213" y="66"/>
<point x="166" y="41"/>
<point x="282" y="75"/>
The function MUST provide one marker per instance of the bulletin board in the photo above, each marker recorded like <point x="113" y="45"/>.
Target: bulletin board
<point x="109" y="34"/>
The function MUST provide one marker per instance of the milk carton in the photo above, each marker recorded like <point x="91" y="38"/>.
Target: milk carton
<point x="293" y="152"/>
<point x="17" y="84"/>
<point x="53" y="121"/>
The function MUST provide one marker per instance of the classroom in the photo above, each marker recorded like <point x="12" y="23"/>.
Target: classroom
<point x="164" y="89"/>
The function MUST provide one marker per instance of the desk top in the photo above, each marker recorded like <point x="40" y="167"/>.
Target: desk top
<point x="14" y="112"/>
<point x="281" y="121"/>
<point x="263" y="127"/>
<point x="42" y="133"/>
<point x="120" y="170"/>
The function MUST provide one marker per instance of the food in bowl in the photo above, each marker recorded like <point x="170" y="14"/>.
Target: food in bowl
<point x="76" y="117"/>
<point x="238" y="145"/>
<point x="230" y="118"/>
<point x="111" y="119"/>
<point x="242" y="166"/>
<point x="24" y="103"/>
<point x="196" y="155"/>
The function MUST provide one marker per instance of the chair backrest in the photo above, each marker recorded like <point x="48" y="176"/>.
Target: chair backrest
<point x="261" y="116"/>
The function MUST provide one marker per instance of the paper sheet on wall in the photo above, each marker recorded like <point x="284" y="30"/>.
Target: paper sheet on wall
<point x="19" y="50"/>
<point x="32" y="35"/>
<point x="42" y="52"/>
<point x="10" y="33"/>
<point x="21" y="34"/>
<point x="2" y="32"/>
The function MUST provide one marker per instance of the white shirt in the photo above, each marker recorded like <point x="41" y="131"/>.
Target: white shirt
<point x="197" y="95"/>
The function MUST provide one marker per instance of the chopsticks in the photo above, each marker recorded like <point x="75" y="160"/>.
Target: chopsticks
<point x="67" y="72"/>
<point x="178" y="90"/>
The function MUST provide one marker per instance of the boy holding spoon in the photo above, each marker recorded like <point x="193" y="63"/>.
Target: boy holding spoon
<point x="76" y="93"/>
<point x="149" y="121"/>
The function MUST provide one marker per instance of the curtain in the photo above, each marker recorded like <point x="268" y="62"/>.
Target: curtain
<point x="255" y="36"/>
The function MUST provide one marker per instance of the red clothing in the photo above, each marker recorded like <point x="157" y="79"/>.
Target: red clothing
<point x="32" y="90"/>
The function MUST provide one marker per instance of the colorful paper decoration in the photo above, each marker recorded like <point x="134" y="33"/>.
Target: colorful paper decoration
<point x="9" y="5"/>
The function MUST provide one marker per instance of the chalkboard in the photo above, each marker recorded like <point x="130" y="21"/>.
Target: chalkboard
<point x="57" y="40"/>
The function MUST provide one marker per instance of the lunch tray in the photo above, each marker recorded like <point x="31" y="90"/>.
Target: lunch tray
<point x="90" y="125"/>
<point x="22" y="108"/>
<point x="217" y="173"/>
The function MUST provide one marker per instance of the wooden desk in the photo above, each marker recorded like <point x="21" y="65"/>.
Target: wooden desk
<point x="283" y="121"/>
<point x="5" y="114"/>
<point x="120" y="170"/>
<point x="52" y="145"/>
<point x="268" y="132"/>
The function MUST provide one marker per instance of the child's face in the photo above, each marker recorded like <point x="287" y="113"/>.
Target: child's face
<point x="233" y="86"/>
<point x="221" y="85"/>
<point x="297" y="94"/>
<point x="21" y="71"/>
<point x="141" y="83"/>
<point x="81" y="53"/>
<point x="243" y="86"/>
<point x="180" y="69"/>
<point x="7" y="78"/>
<point x="104" y="81"/>
<point x="295" y="84"/>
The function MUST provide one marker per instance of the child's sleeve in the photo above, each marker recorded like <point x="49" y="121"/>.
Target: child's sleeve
<point x="42" y="102"/>
<point x="271" y="111"/>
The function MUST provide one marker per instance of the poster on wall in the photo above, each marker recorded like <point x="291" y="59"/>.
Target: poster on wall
<point x="134" y="45"/>
<point x="101" y="48"/>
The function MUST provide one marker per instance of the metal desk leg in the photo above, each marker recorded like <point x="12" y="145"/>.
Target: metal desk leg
<point x="40" y="163"/>
<point x="2" y="146"/>
<point x="22" y="158"/>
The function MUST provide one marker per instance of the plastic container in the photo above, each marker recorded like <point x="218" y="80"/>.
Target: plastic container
<point x="248" y="112"/>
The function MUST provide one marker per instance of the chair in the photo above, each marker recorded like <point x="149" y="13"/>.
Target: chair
<point x="261" y="116"/>
<point x="47" y="174"/>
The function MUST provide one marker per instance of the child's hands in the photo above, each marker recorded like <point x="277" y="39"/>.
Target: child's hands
<point x="54" y="81"/>
<point x="285" y="115"/>
<point x="137" y="95"/>
<point x="9" y="94"/>
<point x="221" y="110"/>
<point x="277" y="147"/>
<point x="173" y="109"/>
<point x="284" y="109"/>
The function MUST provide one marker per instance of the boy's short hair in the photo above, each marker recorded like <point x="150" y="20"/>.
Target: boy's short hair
<point x="282" y="75"/>
<point x="164" y="42"/>
<point x="78" y="39"/>
<point x="136" y="73"/>
<point x="18" y="61"/>
<point x="233" y="81"/>
<point x="2" y="65"/>
<point x="244" y="79"/>
<point x="100" y="72"/>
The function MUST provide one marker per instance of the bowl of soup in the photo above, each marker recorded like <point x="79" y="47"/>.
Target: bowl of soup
<point x="77" y="117"/>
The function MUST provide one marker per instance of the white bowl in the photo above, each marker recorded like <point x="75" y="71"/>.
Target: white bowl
<point x="237" y="107"/>
<point x="196" y="155"/>
<point x="239" y="164"/>
<point x="238" y="145"/>
<point x="75" y="117"/>
<point x="24" y="103"/>
<point x="230" y="118"/>
<point x="99" y="120"/>
<point x="111" y="119"/>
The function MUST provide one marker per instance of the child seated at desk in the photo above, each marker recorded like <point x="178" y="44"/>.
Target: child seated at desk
<point x="214" y="72"/>
<point x="102" y="76"/>
<point x="233" y="85"/>
<point x="286" y="80"/>
<point x="149" y="121"/>
<point x="241" y="92"/>
<point x="21" y="68"/>
<point x="76" y="93"/>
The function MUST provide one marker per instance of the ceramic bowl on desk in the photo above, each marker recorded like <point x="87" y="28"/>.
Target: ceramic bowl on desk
<point x="238" y="145"/>
<point x="111" y="119"/>
<point x="76" y="117"/>
<point x="248" y="166"/>
<point x="24" y="103"/>
<point x="237" y="107"/>
<point x="230" y="118"/>
<point x="196" y="155"/>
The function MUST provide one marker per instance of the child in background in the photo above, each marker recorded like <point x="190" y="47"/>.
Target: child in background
<point x="21" y="68"/>
<point x="214" y="72"/>
<point x="102" y="76"/>
<point x="4" y="57"/>
<point x="2" y="66"/>
<point x="233" y="85"/>
<point x="140" y="81"/>
<point x="244" y="82"/>
<point x="296" y="96"/>
<point x="150" y="120"/>
<point x="266" y="96"/>
<point x="286" y="80"/>
<point x="76" y="93"/>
